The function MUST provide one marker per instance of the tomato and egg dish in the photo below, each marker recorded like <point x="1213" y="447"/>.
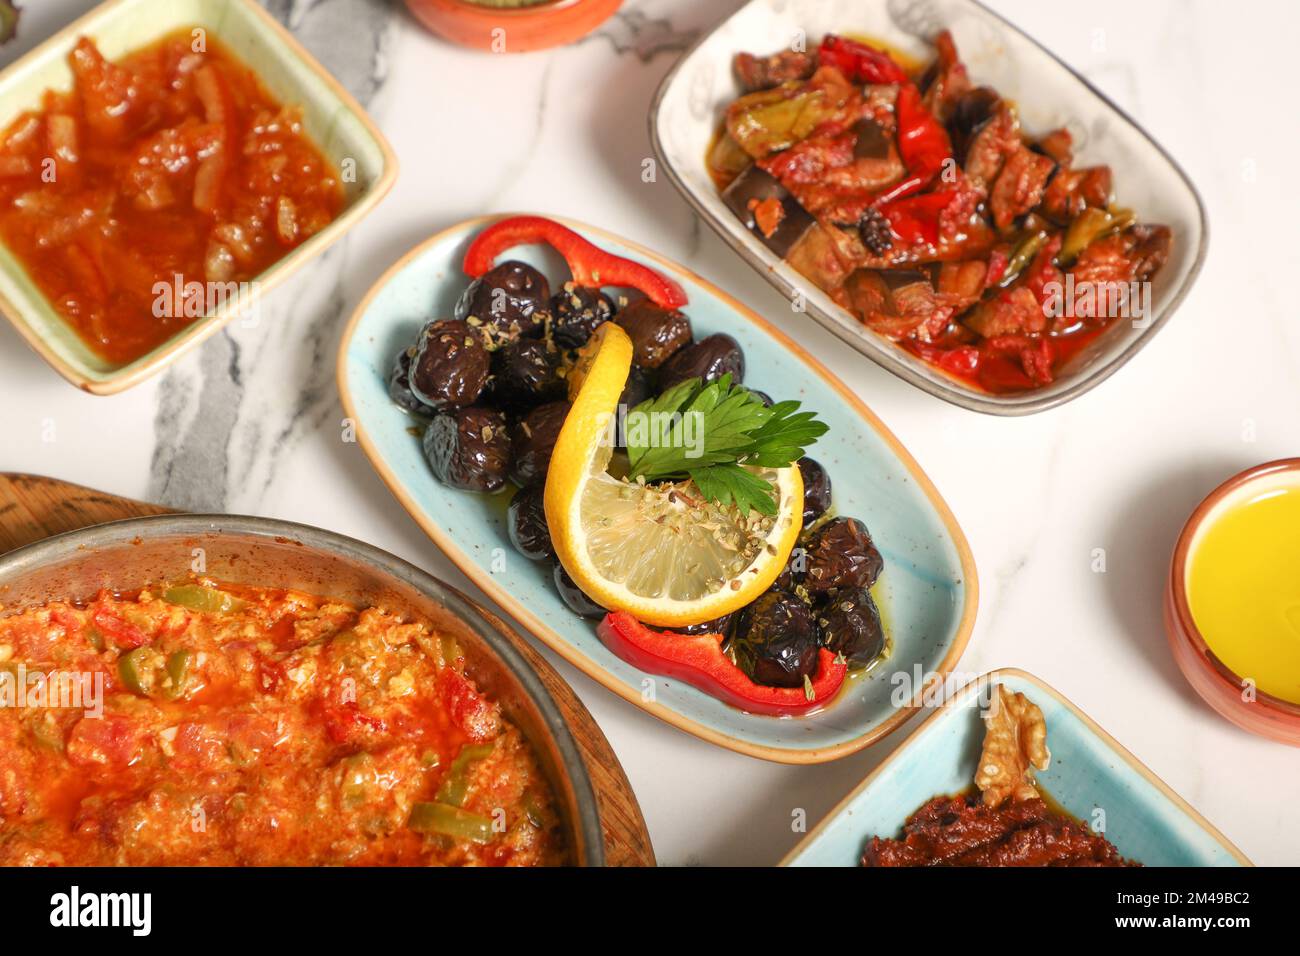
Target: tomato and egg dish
<point x="176" y="166"/>
<point x="250" y="726"/>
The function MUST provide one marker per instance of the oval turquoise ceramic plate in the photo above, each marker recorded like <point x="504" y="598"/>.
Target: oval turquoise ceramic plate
<point x="928" y="591"/>
<point x="1090" y="771"/>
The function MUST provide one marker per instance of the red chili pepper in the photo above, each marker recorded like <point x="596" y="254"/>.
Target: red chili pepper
<point x="923" y="143"/>
<point x="590" y="265"/>
<point x="698" y="660"/>
<point x="916" y="219"/>
<point x="859" y="62"/>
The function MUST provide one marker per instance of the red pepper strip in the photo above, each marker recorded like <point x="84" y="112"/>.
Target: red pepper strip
<point x="923" y="146"/>
<point x="698" y="660"/>
<point x="590" y="265"/>
<point x="859" y="62"/>
<point x="923" y="143"/>
<point x="916" y="219"/>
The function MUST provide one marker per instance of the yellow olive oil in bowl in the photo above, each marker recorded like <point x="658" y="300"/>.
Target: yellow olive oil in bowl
<point x="1243" y="586"/>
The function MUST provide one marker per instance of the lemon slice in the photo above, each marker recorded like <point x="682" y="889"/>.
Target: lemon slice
<point x="660" y="552"/>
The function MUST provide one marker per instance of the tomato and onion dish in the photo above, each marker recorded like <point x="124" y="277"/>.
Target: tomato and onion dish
<point x="916" y="201"/>
<point x="174" y="165"/>
<point x="258" y="726"/>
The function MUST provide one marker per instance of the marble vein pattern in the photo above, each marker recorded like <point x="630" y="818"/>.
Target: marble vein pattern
<point x="221" y="421"/>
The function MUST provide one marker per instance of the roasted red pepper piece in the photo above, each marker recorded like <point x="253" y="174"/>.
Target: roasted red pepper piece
<point x="916" y="219"/>
<point x="591" y="266"/>
<point x="923" y="145"/>
<point x="698" y="660"/>
<point x="859" y="62"/>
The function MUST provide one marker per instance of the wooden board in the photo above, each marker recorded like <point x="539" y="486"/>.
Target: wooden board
<point x="33" y="507"/>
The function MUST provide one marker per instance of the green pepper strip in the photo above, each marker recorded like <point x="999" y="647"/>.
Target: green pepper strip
<point x="130" y="670"/>
<point x="1092" y="224"/>
<point x="456" y="784"/>
<point x="178" y="668"/>
<point x="1021" y="256"/>
<point x="450" y="821"/>
<point x="198" y="598"/>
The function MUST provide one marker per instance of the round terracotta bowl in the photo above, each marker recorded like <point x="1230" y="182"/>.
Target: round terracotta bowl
<point x="512" y="29"/>
<point x="1221" y="688"/>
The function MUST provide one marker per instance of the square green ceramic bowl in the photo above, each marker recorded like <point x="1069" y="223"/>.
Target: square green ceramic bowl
<point x="334" y="120"/>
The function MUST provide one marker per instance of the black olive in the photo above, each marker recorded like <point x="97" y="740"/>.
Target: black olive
<point x="469" y="448"/>
<point x="526" y="523"/>
<point x="450" y="366"/>
<point x="816" y="489"/>
<point x="775" y="640"/>
<point x="508" y="301"/>
<point x="791" y="575"/>
<point x="763" y="397"/>
<point x="720" y="625"/>
<point x="576" y="312"/>
<point x="636" y="389"/>
<point x="656" y="333"/>
<point x="399" y="385"/>
<point x="841" y="555"/>
<point x="526" y="373"/>
<point x="574" y="597"/>
<point x="532" y="439"/>
<point x="708" y="359"/>
<point x="849" y="624"/>
<point x="754" y="186"/>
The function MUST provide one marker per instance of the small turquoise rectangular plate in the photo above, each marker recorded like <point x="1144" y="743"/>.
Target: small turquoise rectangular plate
<point x="1091" y="776"/>
<point x="928" y="589"/>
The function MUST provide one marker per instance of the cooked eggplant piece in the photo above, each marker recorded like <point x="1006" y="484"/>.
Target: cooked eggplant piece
<point x="469" y="448"/>
<point x="656" y="333"/>
<point x="509" y="301"/>
<point x="849" y="624"/>
<point x="709" y="359"/>
<point x="532" y="439"/>
<point x="872" y="142"/>
<point x="841" y="554"/>
<point x="775" y="640"/>
<point x="746" y="197"/>
<point x="451" y="365"/>
<point x="526" y="523"/>
<point x="971" y="110"/>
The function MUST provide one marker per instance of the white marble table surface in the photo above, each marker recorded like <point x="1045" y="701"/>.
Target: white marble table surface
<point x="251" y="422"/>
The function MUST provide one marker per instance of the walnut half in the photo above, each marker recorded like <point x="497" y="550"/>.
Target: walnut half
<point x="1015" y="740"/>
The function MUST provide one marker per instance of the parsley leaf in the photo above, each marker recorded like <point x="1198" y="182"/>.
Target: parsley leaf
<point x="714" y="434"/>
